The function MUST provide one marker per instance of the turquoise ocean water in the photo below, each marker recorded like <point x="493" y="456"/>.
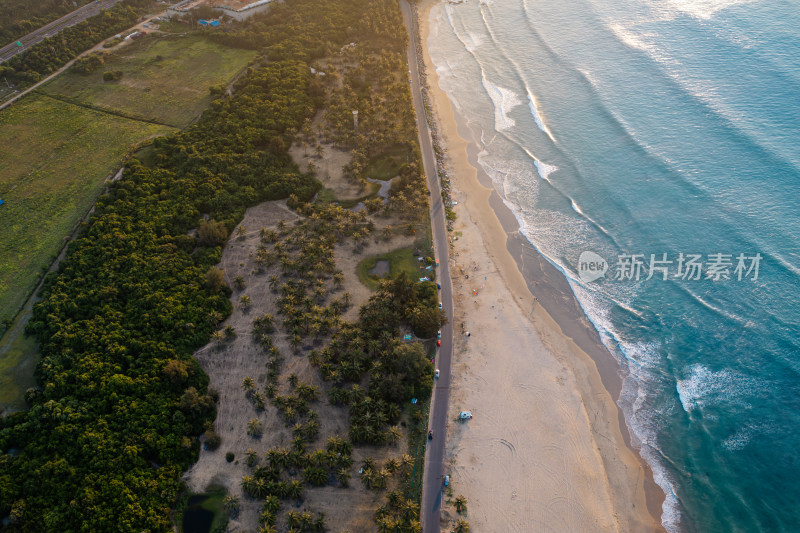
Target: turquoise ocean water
<point x="661" y="127"/>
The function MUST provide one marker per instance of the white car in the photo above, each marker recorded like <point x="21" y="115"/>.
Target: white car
<point x="440" y="305"/>
<point x="436" y="374"/>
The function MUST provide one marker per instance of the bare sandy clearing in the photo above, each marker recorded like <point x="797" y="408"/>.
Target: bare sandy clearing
<point x="228" y="363"/>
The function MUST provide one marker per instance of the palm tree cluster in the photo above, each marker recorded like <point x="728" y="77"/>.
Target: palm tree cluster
<point x="397" y="371"/>
<point x="398" y="515"/>
<point x="369" y="82"/>
<point x="305" y="521"/>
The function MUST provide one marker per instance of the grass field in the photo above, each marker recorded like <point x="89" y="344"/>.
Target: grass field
<point x="388" y="164"/>
<point x="401" y="260"/>
<point x="165" y="78"/>
<point x="54" y="158"/>
<point x="18" y="359"/>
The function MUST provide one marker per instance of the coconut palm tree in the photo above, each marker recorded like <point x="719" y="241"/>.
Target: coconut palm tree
<point x="343" y="477"/>
<point x="254" y="428"/>
<point x="252" y="457"/>
<point x="247" y="484"/>
<point x="271" y="504"/>
<point x="393" y="435"/>
<point x="294" y="490"/>
<point x="260" y="488"/>
<point x="295" y="341"/>
<point x="406" y="463"/>
<point x="461" y="504"/>
<point x="462" y="526"/>
<point x="392" y="465"/>
<point x="231" y="504"/>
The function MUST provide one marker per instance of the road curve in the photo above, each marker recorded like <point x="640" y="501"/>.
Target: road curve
<point x="434" y="452"/>
<point x="39" y="35"/>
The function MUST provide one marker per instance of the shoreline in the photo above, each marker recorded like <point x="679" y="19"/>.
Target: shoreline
<point x="546" y="302"/>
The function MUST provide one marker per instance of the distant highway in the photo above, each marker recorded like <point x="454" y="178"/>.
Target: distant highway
<point x="431" y="508"/>
<point x="70" y="19"/>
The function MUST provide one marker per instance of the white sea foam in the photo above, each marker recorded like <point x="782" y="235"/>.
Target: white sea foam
<point x="702" y="9"/>
<point x="745" y="434"/>
<point x="704" y="387"/>
<point x="739" y="439"/>
<point x="512" y="179"/>
<point x="504" y="101"/>
<point x="537" y="117"/>
<point x="544" y="170"/>
<point x="472" y="41"/>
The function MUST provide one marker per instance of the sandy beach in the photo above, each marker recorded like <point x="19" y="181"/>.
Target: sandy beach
<point x="547" y="449"/>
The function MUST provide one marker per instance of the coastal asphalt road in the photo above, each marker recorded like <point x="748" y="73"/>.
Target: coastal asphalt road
<point x="434" y="453"/>
<point x="70" y="19"/>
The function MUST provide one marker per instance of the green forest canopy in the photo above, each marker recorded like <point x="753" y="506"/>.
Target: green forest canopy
<point x="112" y="426"/>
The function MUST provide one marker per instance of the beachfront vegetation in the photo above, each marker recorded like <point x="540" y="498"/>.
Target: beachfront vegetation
<point x="461" y="504"/>
<point x="121" y="403"/>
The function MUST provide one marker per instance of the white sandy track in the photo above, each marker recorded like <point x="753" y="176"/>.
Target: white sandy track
<point x="528" y="460"/>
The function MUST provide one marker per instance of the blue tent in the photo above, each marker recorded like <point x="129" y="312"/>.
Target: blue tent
<point x="2" y="202"/>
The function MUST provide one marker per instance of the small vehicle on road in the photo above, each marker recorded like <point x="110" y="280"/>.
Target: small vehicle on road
<point x="430" y="435"/>
<point x="436" y="374"/>
<point x="440" y="305"/>
<point x="439" y="334"/>
<point x="438" y="342"/>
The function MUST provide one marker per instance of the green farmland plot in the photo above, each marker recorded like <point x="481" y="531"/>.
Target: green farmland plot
<point x="163" y="78"/>
<point x="54" y="158"/>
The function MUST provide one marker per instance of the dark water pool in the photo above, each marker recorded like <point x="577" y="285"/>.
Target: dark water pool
<point x="195" y="518"/>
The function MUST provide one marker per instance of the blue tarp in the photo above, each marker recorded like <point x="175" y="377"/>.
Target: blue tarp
<point x="204" y="22"/>
<point x="2" y="202"/>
